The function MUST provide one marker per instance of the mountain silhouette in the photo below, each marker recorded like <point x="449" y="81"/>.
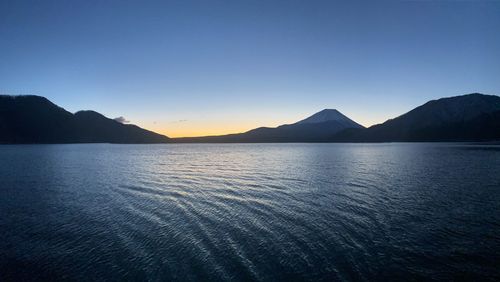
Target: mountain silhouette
<point x="34" y="119"/>
<point x="328" y="115"/>
<point x="316" y="128"/>
<point x="471" y="117"/>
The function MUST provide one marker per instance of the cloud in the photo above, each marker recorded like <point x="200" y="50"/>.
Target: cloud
<point x="179" y="121"/>
<point x="121" y="120"/>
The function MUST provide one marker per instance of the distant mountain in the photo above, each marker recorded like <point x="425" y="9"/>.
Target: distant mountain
<point x="316" y="128"/>
<point x="34" y="119"/>
<point x="472" y="117"/>
<point x="328" y="115"/>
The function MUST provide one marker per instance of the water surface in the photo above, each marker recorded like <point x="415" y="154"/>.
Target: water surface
<point x="250" y="212"/>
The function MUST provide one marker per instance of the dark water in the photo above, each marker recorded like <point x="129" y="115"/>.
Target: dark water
<point x="250" y="212"/>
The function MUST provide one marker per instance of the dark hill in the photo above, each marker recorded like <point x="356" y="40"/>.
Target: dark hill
<point x="34" y="119"/>
<point x="472" y="117"/>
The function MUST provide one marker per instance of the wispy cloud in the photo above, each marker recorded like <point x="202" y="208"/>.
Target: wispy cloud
<point x="179" y="121"/>
<point x="121" y="120"/>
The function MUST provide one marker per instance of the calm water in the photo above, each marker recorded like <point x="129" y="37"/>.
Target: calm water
<point x="250" y="212"/>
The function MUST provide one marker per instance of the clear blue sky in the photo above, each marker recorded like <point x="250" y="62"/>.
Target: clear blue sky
<point x="210" y="67"/>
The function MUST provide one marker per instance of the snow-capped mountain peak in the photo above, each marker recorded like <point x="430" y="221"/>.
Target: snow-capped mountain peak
<point x="328" y="115"/>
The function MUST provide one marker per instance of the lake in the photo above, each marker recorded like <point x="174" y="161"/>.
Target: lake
<point x="260" y="212"/>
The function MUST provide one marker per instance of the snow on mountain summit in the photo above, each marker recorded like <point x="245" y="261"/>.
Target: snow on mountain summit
<point x="328" y="115"/>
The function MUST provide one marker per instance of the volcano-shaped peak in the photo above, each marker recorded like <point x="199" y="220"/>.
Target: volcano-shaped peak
<point x="328" y="115"/>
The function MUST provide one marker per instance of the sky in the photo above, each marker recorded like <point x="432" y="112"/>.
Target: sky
<point x="192" y="68"/>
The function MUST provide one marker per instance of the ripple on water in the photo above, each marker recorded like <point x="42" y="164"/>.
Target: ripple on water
<point x="249" y="212"/>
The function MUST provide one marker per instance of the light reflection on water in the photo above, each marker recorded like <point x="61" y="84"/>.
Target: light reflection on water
<point x="250" y="211"/>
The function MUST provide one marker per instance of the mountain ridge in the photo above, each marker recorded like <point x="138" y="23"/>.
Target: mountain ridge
<point x="445" y="119"/>
<point x="471" y="117"/>
<point x="315" y="128"/>
<point x="28" y="119"/>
